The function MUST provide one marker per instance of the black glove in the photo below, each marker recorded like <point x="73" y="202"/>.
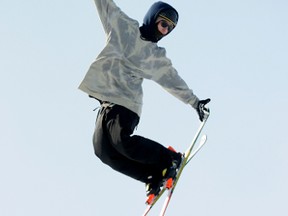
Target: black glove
<point x="201" y="108"/>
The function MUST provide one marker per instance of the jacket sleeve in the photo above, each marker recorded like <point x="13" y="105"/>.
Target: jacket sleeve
<point x="175" y="85"/>
<point x="108" y="11"/>
<point x="167" y="76"/>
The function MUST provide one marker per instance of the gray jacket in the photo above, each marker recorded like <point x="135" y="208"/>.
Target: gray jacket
<point x="118" y="72"/>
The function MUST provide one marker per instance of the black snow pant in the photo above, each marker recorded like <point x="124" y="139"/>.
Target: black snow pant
<point x="132" y="155"/>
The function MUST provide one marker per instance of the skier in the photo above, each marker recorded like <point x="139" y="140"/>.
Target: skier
<point x="115" y="79"/>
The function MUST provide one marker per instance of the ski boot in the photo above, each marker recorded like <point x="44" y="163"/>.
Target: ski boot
<point x="152" y="190"/>
<point x="171" y="173"/>
<point x="167" y="178"/>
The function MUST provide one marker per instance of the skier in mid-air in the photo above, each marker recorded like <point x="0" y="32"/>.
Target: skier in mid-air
<point x="115" y="79"/>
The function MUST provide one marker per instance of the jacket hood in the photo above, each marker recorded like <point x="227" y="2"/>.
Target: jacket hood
<point x="149" y="30"/>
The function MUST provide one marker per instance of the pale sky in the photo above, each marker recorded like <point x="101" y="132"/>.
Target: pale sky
<point x="235" y="52"/>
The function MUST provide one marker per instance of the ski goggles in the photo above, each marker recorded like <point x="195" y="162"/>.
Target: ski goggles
<point x="165" y="24"/>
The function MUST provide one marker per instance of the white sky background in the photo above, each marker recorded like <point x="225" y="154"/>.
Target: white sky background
<point x="235" y="52"/>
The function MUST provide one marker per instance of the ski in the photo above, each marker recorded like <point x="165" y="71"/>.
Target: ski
<point x="201" y="144"/>
<point x="170" y="191"/>
<point x="188" y="155"/>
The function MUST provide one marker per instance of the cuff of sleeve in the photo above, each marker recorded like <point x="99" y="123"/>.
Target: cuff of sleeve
<point x="194" y="102"/>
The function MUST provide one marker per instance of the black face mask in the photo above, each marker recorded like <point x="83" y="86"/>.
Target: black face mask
<point x="151" y="34"/>
<point x="149" y="30"/>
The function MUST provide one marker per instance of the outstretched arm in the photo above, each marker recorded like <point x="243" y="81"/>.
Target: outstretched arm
<point x="107" y="10"/>
<point x="169" y="79"/>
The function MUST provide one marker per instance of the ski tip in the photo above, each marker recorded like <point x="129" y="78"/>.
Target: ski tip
<point x="204" y="137"/>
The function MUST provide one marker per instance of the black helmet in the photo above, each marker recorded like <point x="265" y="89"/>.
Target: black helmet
<point x="149" y="30"/>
